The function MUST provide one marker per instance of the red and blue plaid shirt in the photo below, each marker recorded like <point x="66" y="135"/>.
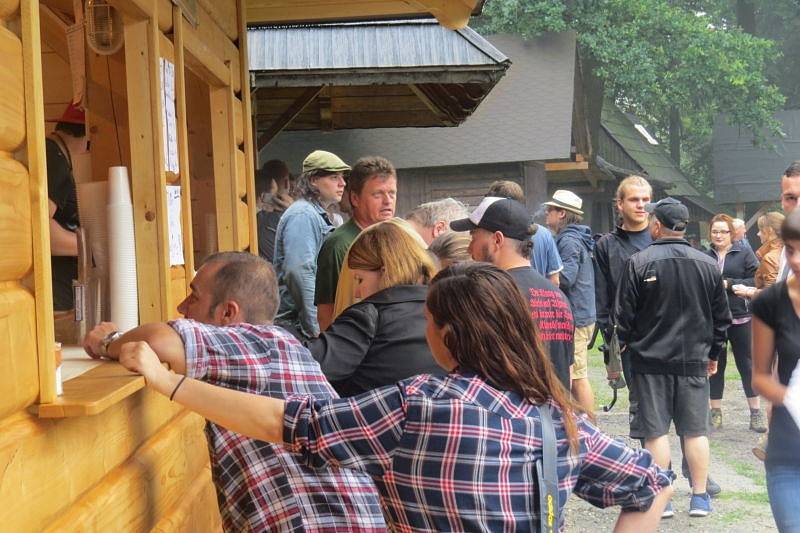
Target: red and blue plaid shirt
<point x="263" y="486"/>
<point x="456" y="454"/>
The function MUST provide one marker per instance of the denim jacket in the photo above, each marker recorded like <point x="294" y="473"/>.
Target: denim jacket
<point x="298" y="238"/>
<point x="575" y="245"/>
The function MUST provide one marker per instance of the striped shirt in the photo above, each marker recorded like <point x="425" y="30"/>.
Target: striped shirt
<point x="456" y="454"/>
<point x="260" y="486"/>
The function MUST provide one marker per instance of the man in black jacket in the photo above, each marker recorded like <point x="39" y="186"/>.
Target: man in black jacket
<point x="671" y="315"/>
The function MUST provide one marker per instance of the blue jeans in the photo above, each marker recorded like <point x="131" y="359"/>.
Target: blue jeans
<point x="783" y="486"/>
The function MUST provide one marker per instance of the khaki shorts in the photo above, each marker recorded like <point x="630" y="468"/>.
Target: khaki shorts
<point x="582" y="337"/>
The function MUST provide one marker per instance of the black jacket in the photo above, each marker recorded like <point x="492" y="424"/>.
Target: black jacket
<point x="376" y="342"/>
<point x="739" y="269"/>
<point x="671" y="309"/>
<point x="611" y="253"/>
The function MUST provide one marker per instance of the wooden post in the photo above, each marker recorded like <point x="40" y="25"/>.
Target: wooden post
<point x="37" y="169"/>
<point x="250" y="156"/>
<point x="224" y="165"/>
<point x="147" y="169"/>
<point x="183" y="148"/>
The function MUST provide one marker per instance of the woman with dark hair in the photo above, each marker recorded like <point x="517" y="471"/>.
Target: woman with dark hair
<point x="738" y="266"/>
<point x="454" y="453"/>
<point x="776" y="331"/>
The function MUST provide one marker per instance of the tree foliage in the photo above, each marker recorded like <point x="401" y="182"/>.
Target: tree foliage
<point x="662" y="58"/>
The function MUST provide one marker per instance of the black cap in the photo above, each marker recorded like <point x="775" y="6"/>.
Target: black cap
<point x="507" y="216"/>
<point x="672" y="214"/>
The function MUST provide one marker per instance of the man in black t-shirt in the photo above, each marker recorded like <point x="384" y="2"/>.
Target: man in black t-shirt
<point x="501" y="231"/>
<point x="69" y="137"/>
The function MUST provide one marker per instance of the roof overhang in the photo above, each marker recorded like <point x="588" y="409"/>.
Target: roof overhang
<point x="451" y="14"/>
<point x="368" y="75"/>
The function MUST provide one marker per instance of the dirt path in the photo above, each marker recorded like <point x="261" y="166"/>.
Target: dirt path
<point x="743" y="505"/>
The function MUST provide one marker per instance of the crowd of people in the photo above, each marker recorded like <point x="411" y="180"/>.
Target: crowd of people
<point x="431" y="372"/>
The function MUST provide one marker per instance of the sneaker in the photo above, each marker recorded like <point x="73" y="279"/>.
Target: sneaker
<point x="700" y="505"/>
<point x="668" y="512"/>
<point x="712" y="487"/>
<point x="716" y="418"/>
<point x="760" y="449"/>
<point x="758" y="422"/>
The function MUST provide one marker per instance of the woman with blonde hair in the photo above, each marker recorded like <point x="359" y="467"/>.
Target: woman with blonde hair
<point x="769" y="231"/>
<point x="380" y="339"/>
<point x="451" y="248"/>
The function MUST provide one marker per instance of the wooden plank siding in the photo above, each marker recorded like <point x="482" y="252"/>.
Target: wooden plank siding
<point x="141" y="462"/>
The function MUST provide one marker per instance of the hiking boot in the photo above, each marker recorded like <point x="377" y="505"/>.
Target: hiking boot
<point x="700" y="505"/>
<point x="668" y="511"/>
<point x="760" y="449"/>
<point x="758" y="422"/>
<point x="716" y="418"/>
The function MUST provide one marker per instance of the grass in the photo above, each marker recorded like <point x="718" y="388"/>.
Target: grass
<point x="740" y="467"/>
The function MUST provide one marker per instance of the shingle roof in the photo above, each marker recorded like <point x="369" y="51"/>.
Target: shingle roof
<point x="526" y="117"/>
<point x="361" y="45"/>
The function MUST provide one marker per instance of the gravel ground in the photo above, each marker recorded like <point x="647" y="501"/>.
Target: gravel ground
<point x="743" y="505"/>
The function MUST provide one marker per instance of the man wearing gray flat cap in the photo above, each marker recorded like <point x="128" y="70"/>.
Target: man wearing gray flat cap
<point x="298" y="238"/>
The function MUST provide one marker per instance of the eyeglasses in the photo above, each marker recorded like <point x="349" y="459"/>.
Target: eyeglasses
<point x="720" y="232"/>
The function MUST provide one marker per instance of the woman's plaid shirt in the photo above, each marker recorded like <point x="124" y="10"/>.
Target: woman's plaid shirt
<point x="456" y="454"/>
<point x="260" y="486"/>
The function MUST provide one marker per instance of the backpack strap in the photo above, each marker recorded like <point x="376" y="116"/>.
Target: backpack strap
<point x="547" y="473"/>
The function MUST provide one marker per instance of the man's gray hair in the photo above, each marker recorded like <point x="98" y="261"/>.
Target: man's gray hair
<point x="446" y="209"/>
<point x="248" y="280"/>
<point x="738" y="223"/>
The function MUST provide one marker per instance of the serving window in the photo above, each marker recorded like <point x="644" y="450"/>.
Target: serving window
<point x="169" y="107"/>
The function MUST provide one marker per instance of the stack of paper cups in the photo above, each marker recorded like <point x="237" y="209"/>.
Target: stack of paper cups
<point x="121" y="251"/>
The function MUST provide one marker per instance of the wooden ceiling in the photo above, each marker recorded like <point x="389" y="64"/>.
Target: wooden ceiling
<point x="452" y="14"/>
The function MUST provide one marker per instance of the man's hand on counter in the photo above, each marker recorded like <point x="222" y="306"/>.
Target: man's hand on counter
<point x="95" y="342"/>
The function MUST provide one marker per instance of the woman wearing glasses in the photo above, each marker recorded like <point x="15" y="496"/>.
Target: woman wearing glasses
<point x="738" y="266"/>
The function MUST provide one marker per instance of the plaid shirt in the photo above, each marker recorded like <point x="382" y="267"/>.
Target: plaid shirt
<point x="456" y="454"/>
<point x="262" y="486"/>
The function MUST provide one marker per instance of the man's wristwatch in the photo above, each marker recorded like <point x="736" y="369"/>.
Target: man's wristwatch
<point x="108" y="339"/>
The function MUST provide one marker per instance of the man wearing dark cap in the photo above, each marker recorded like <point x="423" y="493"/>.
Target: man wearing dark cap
<point x="298" y="239"/>
<point x="501" y="231"/>
<point x="671" y="315"/>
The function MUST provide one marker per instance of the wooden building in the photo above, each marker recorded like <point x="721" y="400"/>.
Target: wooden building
<point x="108" y="455"/>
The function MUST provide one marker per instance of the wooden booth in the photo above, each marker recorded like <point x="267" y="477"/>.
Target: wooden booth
<point x="107" y="454"/>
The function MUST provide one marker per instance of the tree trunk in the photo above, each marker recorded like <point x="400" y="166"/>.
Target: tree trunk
<point x="746" y="16"/>
<point x="589" y="97"/>
<point x="675" y="135"/>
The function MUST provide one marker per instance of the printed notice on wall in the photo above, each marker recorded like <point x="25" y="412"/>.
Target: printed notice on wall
<point x="174" y="223"/>
<point x="169" y="120"/>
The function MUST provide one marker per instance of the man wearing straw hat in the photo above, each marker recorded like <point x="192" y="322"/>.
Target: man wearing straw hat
<point x="575" y="246"/>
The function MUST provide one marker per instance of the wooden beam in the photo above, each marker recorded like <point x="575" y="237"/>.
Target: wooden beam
<point x="147" y="169"/>
<point x="53" y="30"/>
<point x="249" y="148"/>
<point x="561" y="166"/>
<point x="430" y="105"/>
<point x="183" y="150"/>
<point x="761" y="211"/>
<point x="37" y="169"/>
<point x="295" y="109"/>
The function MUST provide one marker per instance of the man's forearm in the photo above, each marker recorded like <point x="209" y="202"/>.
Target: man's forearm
<point x="164" y="340"/>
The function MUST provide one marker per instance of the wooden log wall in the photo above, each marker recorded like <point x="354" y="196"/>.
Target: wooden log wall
<point x="142" y="463"/>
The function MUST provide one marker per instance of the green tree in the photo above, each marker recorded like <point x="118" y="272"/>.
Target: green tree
<point x="676" y="64"/>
